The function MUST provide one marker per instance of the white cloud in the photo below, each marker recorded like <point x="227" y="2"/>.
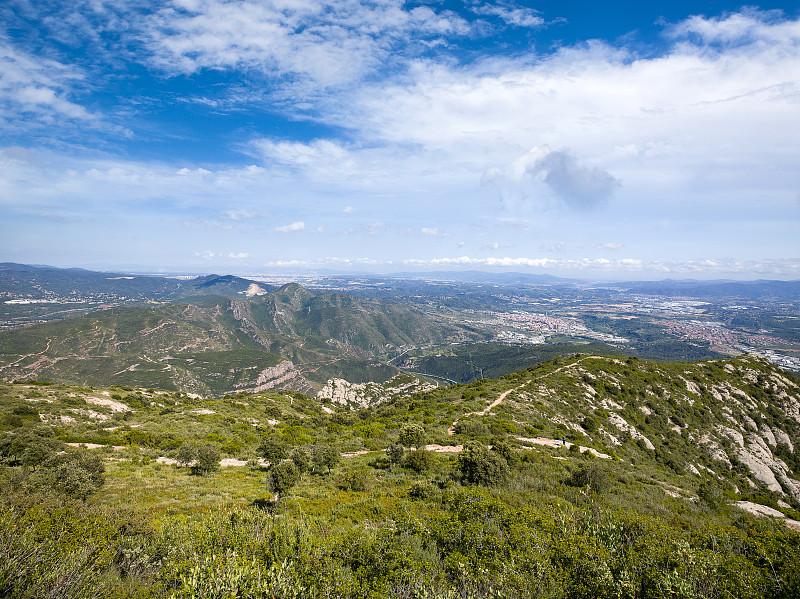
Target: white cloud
<point x="326" y="42"/>
<point x="655" y="123"/>
<point x="206" y="254"/>
<point x="375" y="229"/>
<point x="784" y="267"/>
<point x="612" y="245"/>
<point x="433" y="232"/>
<point x="295" y="226"/>
<point x="510" y="14"/>
<point x="36" y="88"/>
<point x="243" y="214"/>
<point x="745" y="27"/>
<point x="571" y="182"/>
<point x="238" y="255"/>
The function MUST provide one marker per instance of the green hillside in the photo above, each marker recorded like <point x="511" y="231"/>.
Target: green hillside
<point x="606" y="477"/>
<point x="289" y="338"/>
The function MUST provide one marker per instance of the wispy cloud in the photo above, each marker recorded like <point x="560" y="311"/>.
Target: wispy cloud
<point x="625" y="265"/>
<point x="510" y="13"/>
<point x="37" y="89"/>
<point x="325" y="43"/>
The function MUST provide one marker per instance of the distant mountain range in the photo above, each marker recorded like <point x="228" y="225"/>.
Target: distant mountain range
<point x="42" y="282"/>
<point x="750" y="290"/>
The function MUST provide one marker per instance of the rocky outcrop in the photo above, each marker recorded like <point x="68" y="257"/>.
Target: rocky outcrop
<point x="362" y="395"/>
<point x="620" y="423"/>
<point x="272" y="377"/>
<point x="770" y="471"/>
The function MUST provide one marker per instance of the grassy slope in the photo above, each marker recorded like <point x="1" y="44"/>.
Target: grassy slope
<point x="423" y="530"/>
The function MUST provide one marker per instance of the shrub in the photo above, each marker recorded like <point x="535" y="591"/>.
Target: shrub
<point x="478" y="466"/>
<point x="207" y="459"/>
<point x="394" y="453"/>
<point x="354" y="480"/>
<point x="187" y="454"/>
<point x="418" y="460"/>
<point x="592" y="476"/>
<point x="412" y="435"/>
<point x="422" y="490"/>
<point x="282" y="477"/>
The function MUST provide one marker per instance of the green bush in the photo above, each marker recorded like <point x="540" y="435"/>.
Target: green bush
<point x="355" y="480"/>
<point x="592" y="476"/>
<point x="478" y="466"/>
<point x="418" y="460"/>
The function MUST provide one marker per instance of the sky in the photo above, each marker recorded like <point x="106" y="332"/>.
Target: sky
<point x="628" y="140"/>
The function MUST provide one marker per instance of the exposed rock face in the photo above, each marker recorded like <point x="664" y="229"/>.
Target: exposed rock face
<point x="715" y="450"/>
<point x="620" y="423"/>
<point x="362" y="395"/>
<point x="768" y="435"/>
<point x="254" y="290"/>
<point x="754" y="452"/>
<point x="782" y="437"/>
<point x="276" y="375"/>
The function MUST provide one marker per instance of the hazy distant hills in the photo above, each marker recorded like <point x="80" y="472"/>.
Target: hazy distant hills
<point x="748" y="290"/>
<point x="47" y="282"/>
<point x="288" y="338"/>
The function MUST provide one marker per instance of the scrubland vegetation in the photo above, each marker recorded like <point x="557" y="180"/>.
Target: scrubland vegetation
<point x="326" y="501"/>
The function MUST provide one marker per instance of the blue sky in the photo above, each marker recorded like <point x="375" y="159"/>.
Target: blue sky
<point x="586" y="139"/>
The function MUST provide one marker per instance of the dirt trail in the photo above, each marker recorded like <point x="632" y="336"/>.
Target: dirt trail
<point x="21" y="358"/>
<point x="452" y="430"/>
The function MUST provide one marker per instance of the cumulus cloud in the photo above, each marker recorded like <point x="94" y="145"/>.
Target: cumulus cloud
<point x="744" y="27"/>
<point x="238" y="255"/>
<point x="571" y="182"/>
<point x="612" y="245"/>
<point x="291" y="228"/>
<point x="578" y="185"/>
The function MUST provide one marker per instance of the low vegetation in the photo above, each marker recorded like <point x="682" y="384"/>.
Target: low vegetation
<point x="134" y="492"/>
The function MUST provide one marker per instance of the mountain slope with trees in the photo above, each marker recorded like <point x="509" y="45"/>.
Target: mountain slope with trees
<point x="289" y="338"/>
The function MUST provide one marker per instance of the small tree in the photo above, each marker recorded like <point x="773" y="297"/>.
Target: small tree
<point x="272" y="448"/>
<point x="74" y="474"/>
<point x="325" y="457"/>
<point x="282" y="477"/>
<point x="478" y="466"/>
<point x="394" y="453"/>
<point x="412" y="435"/>
<point x="418" y="460"/>
<point x="35" y="455"/>
<point x="207" y="459"/>
<point x="301" y="460"/>
<point x="503" y="449"/>
<point x="187" y="454"/>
